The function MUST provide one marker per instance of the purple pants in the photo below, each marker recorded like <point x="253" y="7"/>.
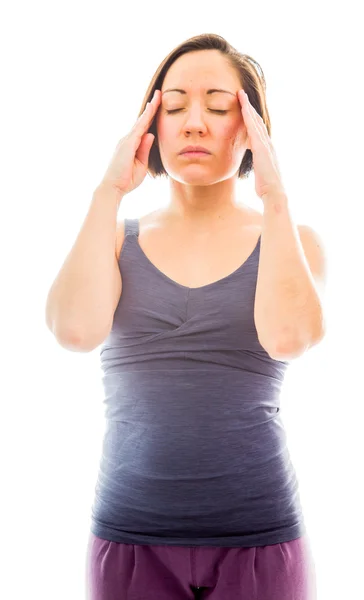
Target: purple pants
<point x="117" y="571"/>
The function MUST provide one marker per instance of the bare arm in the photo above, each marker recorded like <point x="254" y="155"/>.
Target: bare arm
<point x="81" y="302"/>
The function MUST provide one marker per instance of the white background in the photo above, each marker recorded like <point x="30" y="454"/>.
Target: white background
<point x="73" y="78"/>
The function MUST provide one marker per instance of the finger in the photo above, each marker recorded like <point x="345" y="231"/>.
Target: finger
<point x="243" y="98"/>
<point x="256" y="120"/>
<point x="148" y="114"/>
<point x="154" y="104"/>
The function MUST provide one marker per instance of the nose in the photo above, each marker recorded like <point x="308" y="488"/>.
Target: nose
<point x="194" y="120"/>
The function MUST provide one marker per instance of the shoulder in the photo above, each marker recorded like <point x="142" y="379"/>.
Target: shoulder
<point x="144" y="221"/>
<point x="253" y="217"/>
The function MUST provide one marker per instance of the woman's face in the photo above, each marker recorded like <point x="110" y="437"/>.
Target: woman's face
<point x="213" y="120"/>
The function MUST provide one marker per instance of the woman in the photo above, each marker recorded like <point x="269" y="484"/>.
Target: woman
<point x="196" y="490"/>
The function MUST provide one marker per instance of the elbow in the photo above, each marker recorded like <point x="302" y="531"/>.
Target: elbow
<point x="285" y="352"/>
<point x="296" y="345"/>
<point x="76" y="343"/>
<point x="71" y="342"/>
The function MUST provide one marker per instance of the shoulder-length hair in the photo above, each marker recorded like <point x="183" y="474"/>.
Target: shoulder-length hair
<point x="251" y="78"/>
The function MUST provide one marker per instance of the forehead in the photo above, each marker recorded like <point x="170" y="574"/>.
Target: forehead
<point x="204" y="72"/>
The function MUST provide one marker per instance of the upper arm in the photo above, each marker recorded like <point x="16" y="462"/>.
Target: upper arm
<point x="116" y="294"/>
<point x="316" y="256"/>
<point x="120" y="231"/>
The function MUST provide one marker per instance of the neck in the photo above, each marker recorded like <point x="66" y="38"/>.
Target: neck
<point x="203" y="206"/>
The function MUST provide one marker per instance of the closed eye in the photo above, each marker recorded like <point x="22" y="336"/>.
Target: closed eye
<point x="221" y="112"/>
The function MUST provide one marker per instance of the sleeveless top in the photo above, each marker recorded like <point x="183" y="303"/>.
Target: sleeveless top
<point x="194" y="451"/>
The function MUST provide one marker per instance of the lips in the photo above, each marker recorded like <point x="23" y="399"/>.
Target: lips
<point x="195" y="149"/>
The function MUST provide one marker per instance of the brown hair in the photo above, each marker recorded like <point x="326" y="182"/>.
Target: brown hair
<point x="251" y="77"/>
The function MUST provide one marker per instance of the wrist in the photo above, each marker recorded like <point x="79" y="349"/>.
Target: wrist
<point x="275" y="200"/>
<point x="108" y="193"/>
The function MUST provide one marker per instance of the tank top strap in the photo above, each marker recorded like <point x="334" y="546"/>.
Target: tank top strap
<point x="131" y="227"/>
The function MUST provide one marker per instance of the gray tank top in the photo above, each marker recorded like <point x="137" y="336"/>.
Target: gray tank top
<point x="194" y="451"/>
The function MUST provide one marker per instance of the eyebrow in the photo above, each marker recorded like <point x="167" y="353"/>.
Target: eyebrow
<point x="211" y="91"/>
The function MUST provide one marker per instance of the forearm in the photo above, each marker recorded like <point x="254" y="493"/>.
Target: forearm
<point x="288" y="311"/>
<point x="80" y="299"/>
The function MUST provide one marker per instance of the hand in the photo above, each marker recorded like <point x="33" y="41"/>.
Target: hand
<point x="129" y="164"/>
<point x="268" y="180"/>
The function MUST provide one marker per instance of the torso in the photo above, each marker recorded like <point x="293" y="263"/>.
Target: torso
<point x="193" y="259"/>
